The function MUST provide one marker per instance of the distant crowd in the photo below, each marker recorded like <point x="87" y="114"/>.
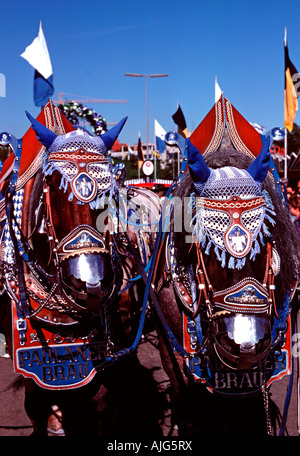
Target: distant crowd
<point x="293" y="196"/>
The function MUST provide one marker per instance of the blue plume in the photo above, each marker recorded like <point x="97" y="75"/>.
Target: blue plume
<point x="259" y="168"/>
<point x="44" y="135"/>
<point x="199" y="170"/>
<point x="110" y="136"/>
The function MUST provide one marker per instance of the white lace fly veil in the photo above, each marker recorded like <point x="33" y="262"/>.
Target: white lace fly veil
<point x="99" y="171"/>
<point x="210" y="225"/>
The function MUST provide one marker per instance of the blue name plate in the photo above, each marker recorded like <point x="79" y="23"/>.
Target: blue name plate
<point x="61" y="367"/>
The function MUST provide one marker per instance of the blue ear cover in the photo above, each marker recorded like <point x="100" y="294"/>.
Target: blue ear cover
<point x="259" y="168"/>
<point x="110" y="136"/>
<point x="44" y="135"/>
<point x="199" y="170"/>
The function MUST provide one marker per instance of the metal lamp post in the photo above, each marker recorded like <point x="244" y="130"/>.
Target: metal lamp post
<point x="146" y="76"/>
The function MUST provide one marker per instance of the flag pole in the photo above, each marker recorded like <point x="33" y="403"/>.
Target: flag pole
<point x="285" y="155"/>
<point x="139" y="172"/>
<point x="285" y="136"/>
<point x="154" y="153"/>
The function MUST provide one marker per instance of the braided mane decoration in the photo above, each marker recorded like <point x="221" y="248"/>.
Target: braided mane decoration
<point x="283" y="231"/>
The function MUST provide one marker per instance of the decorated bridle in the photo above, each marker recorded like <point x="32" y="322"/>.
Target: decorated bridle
<point x="233" y="218"/>
<point x="88" y="176"/>
<point x="87" y="171"/>
<point x="233" y="227"/>
<point x="83" y="239"/>
<point x="236" y="227"/>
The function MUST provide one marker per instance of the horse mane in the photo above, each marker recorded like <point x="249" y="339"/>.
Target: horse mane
<point x="284" y="232"/>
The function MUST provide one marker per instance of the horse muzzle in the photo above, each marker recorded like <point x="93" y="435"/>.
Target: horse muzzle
<point x="88" y="279"/>
<point x="241" y="341"/>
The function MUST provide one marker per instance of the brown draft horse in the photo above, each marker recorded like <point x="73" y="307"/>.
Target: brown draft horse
<point x="66" y="272"/>
<point x="228" y="264"/>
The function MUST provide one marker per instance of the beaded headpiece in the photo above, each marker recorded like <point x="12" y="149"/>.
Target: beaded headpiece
<point x="83" y="166"/>
<point x="230" y="209"/>
<point x="81" y="160"/>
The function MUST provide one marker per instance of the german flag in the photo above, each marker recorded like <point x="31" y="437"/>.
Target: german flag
<point x="140" y="154"/>
<point x="290" y="94"/>
<point x="179" y="120"/>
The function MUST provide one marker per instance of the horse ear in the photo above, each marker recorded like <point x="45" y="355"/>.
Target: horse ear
<point x="110" y="136"/>
<point x="199" y="170"/>
<point x="44" y="135"/>
<point x="259" y="168"/>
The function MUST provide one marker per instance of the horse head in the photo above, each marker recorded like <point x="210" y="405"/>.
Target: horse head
<point x="237" y="220"/>
<point x="74" y="184"/>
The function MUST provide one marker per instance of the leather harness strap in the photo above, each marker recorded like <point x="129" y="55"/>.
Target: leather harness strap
<point x="50" y="225"/>
<point x="213" y="299"/>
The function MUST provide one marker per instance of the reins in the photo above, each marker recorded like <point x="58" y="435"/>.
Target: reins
<point x="149" y="292"/>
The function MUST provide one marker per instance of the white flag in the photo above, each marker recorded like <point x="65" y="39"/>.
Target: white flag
<point x="160" y="134"/>
<point x="38" y="56"/>
<point x="218" y="91"/>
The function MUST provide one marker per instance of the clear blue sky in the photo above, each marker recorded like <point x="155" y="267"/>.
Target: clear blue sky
<point x="93" y="43"/>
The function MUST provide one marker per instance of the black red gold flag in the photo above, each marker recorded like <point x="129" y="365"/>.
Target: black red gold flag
<point x="290" y="93"/>
<point x="140" y="154"/>
<point x="179" y="120"/>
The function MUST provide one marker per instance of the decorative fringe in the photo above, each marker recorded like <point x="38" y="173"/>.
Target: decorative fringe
<point x="265" y="230"/>
<point x="218" y="254"/>
<point x="98" y="203"/>
<point x="272" y="221"/>
<point x="255" y="249"/>
<point x="208" y="247"/>
<point x="268" y="200"/>
<point x="240" y="263"/>
<point x="223" y="264"/>
<point x="49" y="169"/>
<point x="270" y="211"/>
<point x="63" y="184"/>
<point x="261" y="238"/>
<point x="231" y="263"/>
